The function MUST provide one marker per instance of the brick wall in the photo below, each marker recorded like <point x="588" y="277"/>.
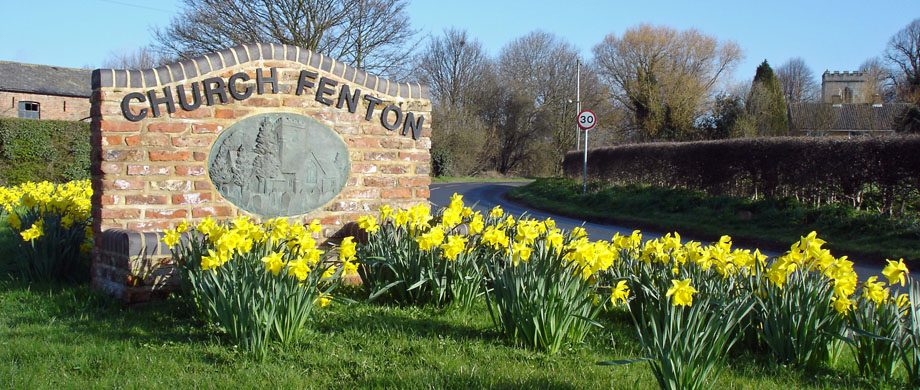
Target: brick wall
<point x="67" y="108"/>
<point x="151" y="174"/>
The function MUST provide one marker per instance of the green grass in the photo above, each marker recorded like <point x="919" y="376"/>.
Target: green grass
<point x="468" y="179"/>
<point x="768" y="224"/>
<point x="71" y="337"/>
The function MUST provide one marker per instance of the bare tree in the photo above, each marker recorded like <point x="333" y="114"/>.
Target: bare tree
<point x="536" y="120"/>
<point x="368" y="34"/>
<point x="452" y="66"/>
<point x="798" y="81"/>
<point x="878" y="79"/>
<point x="903" y="56"/>
<point x="140" y="58"/>
<point x="664" y="77"/>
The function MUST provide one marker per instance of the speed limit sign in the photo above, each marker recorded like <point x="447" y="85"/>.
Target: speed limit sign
<point x="586" y="120"/>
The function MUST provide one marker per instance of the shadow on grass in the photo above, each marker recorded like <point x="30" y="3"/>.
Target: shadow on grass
<point x="89" y="313"/>
<point x="411" y="322"/>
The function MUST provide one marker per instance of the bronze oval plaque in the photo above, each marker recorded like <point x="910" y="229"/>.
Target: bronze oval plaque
<point x="279" y="164"/>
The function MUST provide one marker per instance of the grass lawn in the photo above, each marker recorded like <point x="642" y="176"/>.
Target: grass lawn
<point x="772" y="224"/>
<point x="71" y="337"/>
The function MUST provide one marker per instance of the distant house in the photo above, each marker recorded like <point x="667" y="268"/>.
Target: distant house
<point x="844" y="120"/>
<point x="846" y="109"/>
<point x="44" y="92"/>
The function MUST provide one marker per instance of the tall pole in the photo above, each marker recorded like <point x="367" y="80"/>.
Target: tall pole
<point x="577" y="101"/>
<point x="584" y="181"/>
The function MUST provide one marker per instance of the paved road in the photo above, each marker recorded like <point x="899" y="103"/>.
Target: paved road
<point x="488" y="195"/>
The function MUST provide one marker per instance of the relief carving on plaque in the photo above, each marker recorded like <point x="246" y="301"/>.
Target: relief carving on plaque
<point x="279" y="164"/>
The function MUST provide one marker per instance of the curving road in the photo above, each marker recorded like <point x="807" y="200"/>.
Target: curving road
<point x="485" y="196"/>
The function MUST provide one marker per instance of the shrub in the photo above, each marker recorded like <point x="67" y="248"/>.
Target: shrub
<point x="879" y="172"/>
<point x="33" y="150"/>
<point x="51" y="225"/>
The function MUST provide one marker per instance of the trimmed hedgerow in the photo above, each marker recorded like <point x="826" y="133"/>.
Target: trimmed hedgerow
<point x="39" y="150"/>
<point x="880" y="173"/>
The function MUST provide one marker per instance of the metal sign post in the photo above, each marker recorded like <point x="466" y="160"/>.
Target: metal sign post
<point x="586" y="121"/>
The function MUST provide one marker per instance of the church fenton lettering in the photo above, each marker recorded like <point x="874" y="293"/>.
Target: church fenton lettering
<point x="215" y="90"/>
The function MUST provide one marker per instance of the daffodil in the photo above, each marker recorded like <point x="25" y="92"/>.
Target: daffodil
<point x="681" y="292"/>
<point x="896" y="272"/>
<point x="273" y="262"/>
<point x="620" y="293"/>
<point x="347" y="249"/>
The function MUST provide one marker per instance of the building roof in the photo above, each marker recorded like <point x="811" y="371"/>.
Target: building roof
<point x="843" y="117"/>
<point x="45" y="79"/>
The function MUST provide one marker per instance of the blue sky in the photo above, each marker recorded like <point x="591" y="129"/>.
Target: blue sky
<point x="834" y="35"/>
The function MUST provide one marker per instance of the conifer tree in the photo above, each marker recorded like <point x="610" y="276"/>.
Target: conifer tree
<point x="766" y="106"/>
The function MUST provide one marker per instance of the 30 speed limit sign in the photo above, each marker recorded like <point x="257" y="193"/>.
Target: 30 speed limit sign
<point x="586" y="120"/>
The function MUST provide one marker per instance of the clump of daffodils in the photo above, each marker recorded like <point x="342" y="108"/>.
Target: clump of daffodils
<point x="52" y="224"/>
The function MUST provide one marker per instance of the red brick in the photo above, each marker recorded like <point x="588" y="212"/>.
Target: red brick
<point x="223" y="113"/>
<point x="380" y="156"/>
<point x="414" y="181"/>
<point x="197" y="142"/>
<point x="152" y="213"/>
<point x="331" y="220"/>
<point x="107" y="200"/>
<point x="261" y="102"/>
<point x="406" y="156"/>
<point x="363" y="168"/>
<point x="201" y="112"/>
<point x="111" y="140"/>
<point x="119" y="126"/>
<point x="379" y="181"/>
<point x="167" y="127"/>
<point x="295" y="102"/>
<point x="396" y="193"/>
<point x="147" y="140"/>
<point x="206" y="128"/>
<point x="422" y="193"/>
<point x="111" y="225"/>
<point x="375" y="130"/>
<point x="426" y="132"/>
<point x="191" y="198"/>
<point x="145" y="199"/>
<point x="122" y="155"/>
<point x="397" y="143"/>
<point x="201" y="156"/>
<point x="203" y="185"/>
<point x="111" y="168"/>
<point x="361" y="194"/>
<point x="214" y="211"/>
<point x="190" y="170"/>
<point x="148" y="226"/>
<point x="162" y="155"/>
<point x="144" y="170"/>
<point x="356" y="142"/>
<point x="394" y="169"/>
<point x="120" y="214"/>
<point x="122" y="184"/>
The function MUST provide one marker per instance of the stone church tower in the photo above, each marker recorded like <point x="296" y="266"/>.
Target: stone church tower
<point x="845" y="87"/>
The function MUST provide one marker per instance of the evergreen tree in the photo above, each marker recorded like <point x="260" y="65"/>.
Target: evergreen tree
<point x="766" y="106"/>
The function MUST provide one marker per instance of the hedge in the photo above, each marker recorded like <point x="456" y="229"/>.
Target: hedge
<point x="35" y="150"/>
<point x="881" y="172"/>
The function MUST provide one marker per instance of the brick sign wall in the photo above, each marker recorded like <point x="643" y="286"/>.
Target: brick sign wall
<point x="154" y="132"/>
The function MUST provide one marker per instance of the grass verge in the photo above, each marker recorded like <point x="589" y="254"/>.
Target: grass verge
<point x="768" y="224"/>
<point x="470" y="179"/>
<point x="71" y="337"/>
